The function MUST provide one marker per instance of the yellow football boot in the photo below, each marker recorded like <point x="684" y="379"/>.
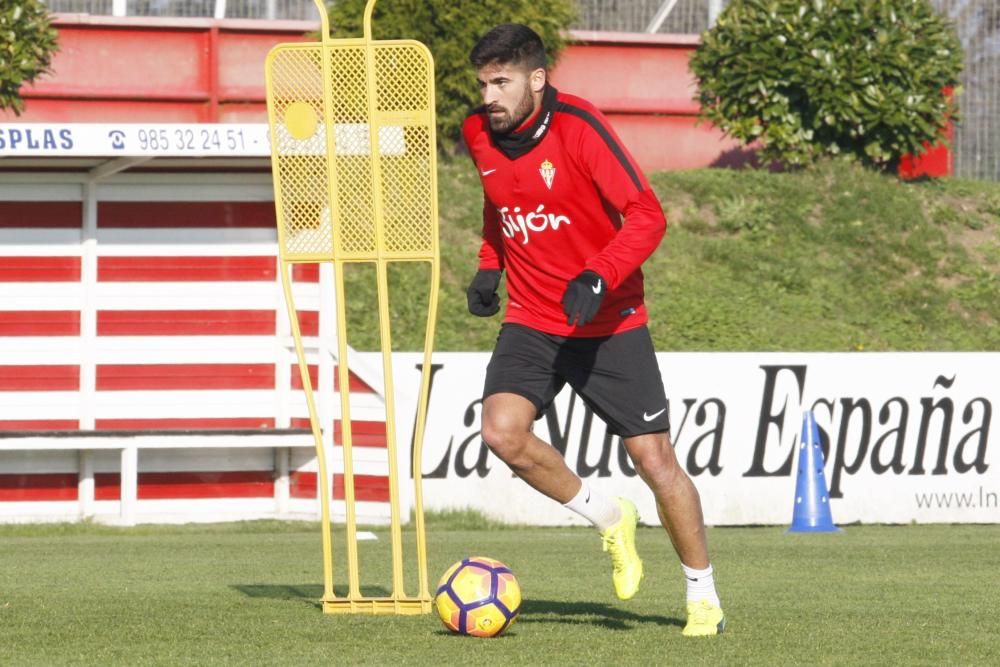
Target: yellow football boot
<point x="704" y="619"/>
<point x="619" y="542"/>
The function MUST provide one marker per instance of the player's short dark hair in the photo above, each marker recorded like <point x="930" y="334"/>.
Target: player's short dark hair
<point x="510" y="44"/>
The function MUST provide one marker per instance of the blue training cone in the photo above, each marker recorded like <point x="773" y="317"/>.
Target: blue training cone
<point x="812" y="500"/>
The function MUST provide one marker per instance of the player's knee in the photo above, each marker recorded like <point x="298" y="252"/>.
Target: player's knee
<point x="645" y="467"/>
<point x="655" y="467"/>
<point x="503" y="441"/>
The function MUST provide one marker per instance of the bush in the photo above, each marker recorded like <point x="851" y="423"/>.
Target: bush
<point x="450" y="28"/>
<point x="27" y="43"/>
<point x="813" y="78"/>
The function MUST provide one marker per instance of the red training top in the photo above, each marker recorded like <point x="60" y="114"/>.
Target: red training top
<point x="555" y="195"/>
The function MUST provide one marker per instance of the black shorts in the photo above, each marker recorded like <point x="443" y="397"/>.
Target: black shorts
<point x="616" y="376"/>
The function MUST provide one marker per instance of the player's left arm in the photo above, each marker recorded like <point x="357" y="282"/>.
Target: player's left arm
<point x="623" y="185"/>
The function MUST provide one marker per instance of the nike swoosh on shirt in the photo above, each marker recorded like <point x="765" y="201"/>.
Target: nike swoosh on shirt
<point x="650" y="417"/>
<point x="487" y="172"/>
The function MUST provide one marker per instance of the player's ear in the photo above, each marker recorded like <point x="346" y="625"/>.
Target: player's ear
<point x="537" y="79"/>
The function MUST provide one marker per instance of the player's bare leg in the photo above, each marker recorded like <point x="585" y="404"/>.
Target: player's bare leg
<point x="507" y="420"/>
<point x="679" y="507"/>
<point x="677" y="499"/>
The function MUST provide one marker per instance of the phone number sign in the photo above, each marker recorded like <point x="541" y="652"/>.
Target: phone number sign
<point x="134" y="139"/>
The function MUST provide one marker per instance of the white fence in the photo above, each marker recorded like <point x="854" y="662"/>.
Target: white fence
<point x="250" y="9"/>
<point x="977" y="138"/>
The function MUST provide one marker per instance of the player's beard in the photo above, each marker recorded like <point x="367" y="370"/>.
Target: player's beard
<point x="508" y="121"/>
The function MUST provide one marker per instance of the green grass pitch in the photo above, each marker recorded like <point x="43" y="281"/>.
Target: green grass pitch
<point x="246" y="594"/>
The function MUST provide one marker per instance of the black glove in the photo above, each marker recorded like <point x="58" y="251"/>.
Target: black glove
<point x="482" y="293"/>
<point x="583" y="297"/>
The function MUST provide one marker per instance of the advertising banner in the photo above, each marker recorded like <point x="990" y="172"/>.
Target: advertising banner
<point x="134" y="140"/>
<point x="906" y="437"/>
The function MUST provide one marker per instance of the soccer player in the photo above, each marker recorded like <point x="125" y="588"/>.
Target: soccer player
<point x="570" y="217"/>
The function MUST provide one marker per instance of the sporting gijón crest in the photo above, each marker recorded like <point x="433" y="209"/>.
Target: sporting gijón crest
<point x="548" y="172"/>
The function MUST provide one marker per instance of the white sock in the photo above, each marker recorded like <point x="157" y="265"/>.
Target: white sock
<point x="595" y="507"/>
<point x="700" y="585"/>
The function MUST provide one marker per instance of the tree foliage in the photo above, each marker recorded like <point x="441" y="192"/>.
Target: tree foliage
<point x="27" y="43"/>
<point x="449" y="29"/>
<point x="813" y="78"/>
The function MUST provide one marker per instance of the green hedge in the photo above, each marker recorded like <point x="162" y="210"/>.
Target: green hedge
<point x="450" y="28"/>
<point x="813" y="78"/>
<point x="27" y="43"/>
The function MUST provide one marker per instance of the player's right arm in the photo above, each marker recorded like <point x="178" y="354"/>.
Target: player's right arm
<point x="482" y="292"/>
<point x="491" y="249"/>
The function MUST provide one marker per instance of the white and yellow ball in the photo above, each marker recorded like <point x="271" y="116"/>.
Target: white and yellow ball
<point x="478" y="596"/>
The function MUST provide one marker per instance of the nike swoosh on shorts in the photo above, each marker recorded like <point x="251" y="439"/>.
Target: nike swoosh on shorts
<point x="650" y="417"/>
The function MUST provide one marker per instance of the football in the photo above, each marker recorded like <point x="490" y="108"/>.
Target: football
<point x="478" y="596"/>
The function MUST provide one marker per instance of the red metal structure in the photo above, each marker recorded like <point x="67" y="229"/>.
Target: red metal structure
<point x="157" y="70"/>
<point x="211" y="71"/>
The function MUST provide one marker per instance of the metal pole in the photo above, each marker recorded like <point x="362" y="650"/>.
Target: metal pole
<point x="714" y="7"/>
<point x="118" y="8"/>
<point x="661" y="15"/>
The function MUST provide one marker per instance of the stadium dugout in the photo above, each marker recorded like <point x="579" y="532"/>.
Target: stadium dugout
<point x="146" y="362"/>
<point x="142" y="311"/>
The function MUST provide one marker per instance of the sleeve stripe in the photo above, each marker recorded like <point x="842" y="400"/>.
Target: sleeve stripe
<point x="613" y="145"/>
